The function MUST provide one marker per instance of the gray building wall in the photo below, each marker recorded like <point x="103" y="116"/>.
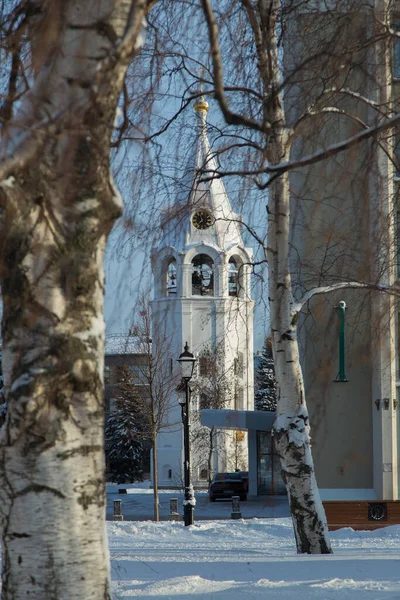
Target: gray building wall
<point x="332" y="237"/>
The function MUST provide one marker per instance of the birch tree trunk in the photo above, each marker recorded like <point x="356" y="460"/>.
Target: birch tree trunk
<point x="58" y="205"/>
<point x="291" y="428"/>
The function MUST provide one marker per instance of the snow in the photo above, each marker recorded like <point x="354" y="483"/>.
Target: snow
<point x="191" y="497"/>
<point x="246" y="559"/>
<point x="295" y="425"/>
<point x="123" y="343"/>
<point x="249" y="559"/>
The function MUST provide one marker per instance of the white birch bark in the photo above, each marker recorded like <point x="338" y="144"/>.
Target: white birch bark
<point x="291" y="428"/>
<point x="58" y="206"/>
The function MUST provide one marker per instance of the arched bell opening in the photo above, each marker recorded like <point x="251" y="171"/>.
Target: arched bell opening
<point x="237" y="278"/>
<point x="202" y="275"/>
<point x="233" y="278"/>
<point x="171" y="278"/>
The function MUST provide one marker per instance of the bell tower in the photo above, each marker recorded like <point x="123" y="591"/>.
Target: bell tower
<point x="201" y="271"/>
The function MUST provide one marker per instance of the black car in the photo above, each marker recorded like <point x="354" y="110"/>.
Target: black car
<point x="226" y="485"/>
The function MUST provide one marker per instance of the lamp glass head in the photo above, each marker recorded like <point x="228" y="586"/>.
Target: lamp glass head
<point x="186" y="361"/>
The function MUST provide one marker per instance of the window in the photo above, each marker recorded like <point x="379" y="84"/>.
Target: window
<point x="204" y="367"/>
<point x="398" y="346"/>
<point x="232" y="278"/>
<point x="239" y="399"/>
<point x="203" y="474"/>
<point x="396" y="155"/>
<point x="202" y="275"/>
<point x="166" y="472"/>
<point x="240" y="364"/>
<point x="397" y="244"/>
<point x="396" y="49"/>
<point x="107" y="374"/>
<point x="238" y="436"/>
<point x="140" y="373"/>
<point x="204" y="403"/>
<point x="171" y="277"/>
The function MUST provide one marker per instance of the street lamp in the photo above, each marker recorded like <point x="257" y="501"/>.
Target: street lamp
<point x="186" y="362"/>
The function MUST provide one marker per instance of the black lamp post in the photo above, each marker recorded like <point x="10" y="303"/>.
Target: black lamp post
<point x="186" y="362"/>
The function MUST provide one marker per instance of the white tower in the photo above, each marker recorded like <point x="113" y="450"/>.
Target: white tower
<point x="201" y="275"/>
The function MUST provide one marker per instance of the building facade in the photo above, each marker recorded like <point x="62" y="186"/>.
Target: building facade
<point x="124" y="351"/>
<point x="201" y="271"/>
<point x="344" y="229"/>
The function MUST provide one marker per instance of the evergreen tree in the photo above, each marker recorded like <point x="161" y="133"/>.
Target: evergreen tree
<point x="124" y="433"/>
<point x="265" y="396"/>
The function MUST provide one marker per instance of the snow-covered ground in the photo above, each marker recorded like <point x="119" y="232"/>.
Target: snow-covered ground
<point x="249" y="559"/>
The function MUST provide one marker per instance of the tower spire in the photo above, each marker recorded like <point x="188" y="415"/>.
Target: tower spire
<point x="201" y="105"/>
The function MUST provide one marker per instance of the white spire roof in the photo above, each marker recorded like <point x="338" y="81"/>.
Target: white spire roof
<point x="198" y="193"/>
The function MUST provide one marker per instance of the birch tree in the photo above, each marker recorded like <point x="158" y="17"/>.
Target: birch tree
<point x="318" y="84"/>
<point x="66" y="65"/>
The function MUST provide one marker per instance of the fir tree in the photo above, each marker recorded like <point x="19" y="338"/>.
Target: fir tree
<point x="124" y="433"/>
<point x="265" y="396"/>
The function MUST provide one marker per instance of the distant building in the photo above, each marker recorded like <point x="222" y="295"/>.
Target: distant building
<point x="122" y="350"/>
<point x="201" y="272"/>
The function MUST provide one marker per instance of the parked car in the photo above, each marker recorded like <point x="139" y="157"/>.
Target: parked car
<point x="226" y="485"/>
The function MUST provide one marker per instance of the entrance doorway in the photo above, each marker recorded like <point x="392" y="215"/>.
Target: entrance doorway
<point x="269" y="478"/>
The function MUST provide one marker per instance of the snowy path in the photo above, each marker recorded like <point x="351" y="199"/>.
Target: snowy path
<point x="137" y="505"/>
<point x="252" y="560"/>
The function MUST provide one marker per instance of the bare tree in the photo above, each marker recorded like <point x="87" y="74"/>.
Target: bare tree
<point x="155" y="374"/>
<point x="314" y="59"/>
<point x="213" y="387"/>
<point x="237" y="457"/>
<point x="66" y="63"/>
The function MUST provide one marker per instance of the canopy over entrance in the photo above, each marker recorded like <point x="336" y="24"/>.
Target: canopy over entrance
<point x="264" y="467"/>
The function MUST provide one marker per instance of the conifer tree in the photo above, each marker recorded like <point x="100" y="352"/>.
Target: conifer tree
<point x="265" y="396"/>
<point x="124" y="433"/>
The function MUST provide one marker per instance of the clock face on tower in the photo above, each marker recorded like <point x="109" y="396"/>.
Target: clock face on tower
<point x="202" y="219"/>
